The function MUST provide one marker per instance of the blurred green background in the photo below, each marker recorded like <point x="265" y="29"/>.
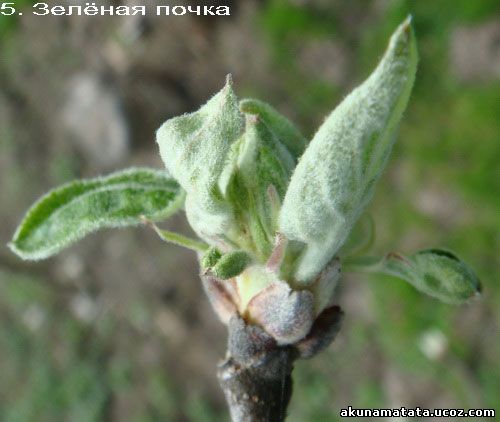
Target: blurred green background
<point x="117" y="327"/>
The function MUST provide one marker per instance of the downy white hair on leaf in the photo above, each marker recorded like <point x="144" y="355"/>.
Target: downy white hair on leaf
<point x="436" y="272"/>
<point x="194" y="147"/>
<point x="335" y="176"/>
<point x="256" y="162"/>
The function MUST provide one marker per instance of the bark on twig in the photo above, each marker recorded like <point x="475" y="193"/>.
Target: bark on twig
<point x="256" y="375"/>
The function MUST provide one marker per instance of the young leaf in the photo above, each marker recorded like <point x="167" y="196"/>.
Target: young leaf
<point x="68" y="213"/>
<point x="282" y="128"/>
<point x="194" y="149"/>
<point x="436" y="272"/>
<point x="258" y="161"/>
<point x="336" y="175"/>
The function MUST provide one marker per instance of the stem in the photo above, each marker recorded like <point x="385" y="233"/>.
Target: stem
<point x="181" y="240"/>
<point x="177" y="238"/>
<point x="256" y="375"/>
<point x="367" y="242"/>
<point x="363" y="264"/>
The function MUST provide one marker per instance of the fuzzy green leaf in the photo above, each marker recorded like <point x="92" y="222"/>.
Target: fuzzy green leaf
<point x="258" y="169"/>
<point x="335" y="177"/>
<point x="194" y="148"/>
<point x="436" y="272"/>
<point x="283" y="129"/>
<point x="68" y="213"/>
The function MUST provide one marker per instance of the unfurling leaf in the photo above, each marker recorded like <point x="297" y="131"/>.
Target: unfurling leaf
<point x="436" y="272"/>
<point x="68" y="213"/>
<point x="257" y="163"/>
<point x="282" y="128"/>
<point x="194" y="149"/>
<point x="335" y="177"/>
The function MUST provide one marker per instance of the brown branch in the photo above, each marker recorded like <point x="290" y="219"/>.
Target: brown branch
<point x="256" y="375"/>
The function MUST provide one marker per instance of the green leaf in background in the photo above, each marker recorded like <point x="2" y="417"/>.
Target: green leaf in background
<point x="335" y="177"/>
<point x="194" y="147"/>
<point x="68" y="213"/>
<point x="436" y="272"/>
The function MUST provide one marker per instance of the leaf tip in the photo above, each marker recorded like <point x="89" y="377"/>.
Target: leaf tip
<point x="25" y="255"/>
<point x="12" y="246"/>
<point x="229" y="80"/>
<point x="408" y="22"/>
<point x="404" y="35"/>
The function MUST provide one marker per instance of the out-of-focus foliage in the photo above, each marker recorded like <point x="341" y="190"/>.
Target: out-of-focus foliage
<point x="57" y="366"/>
<point x="9" y="23"/>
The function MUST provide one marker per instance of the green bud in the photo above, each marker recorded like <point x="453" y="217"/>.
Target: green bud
<point x="231" y="264"/>
<point x="336" y="175"/>
<point x="194" y="148"/>
<point x="436" y="272"/>
<point x="259" y="166"/>
<point x="211" y="257"/>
